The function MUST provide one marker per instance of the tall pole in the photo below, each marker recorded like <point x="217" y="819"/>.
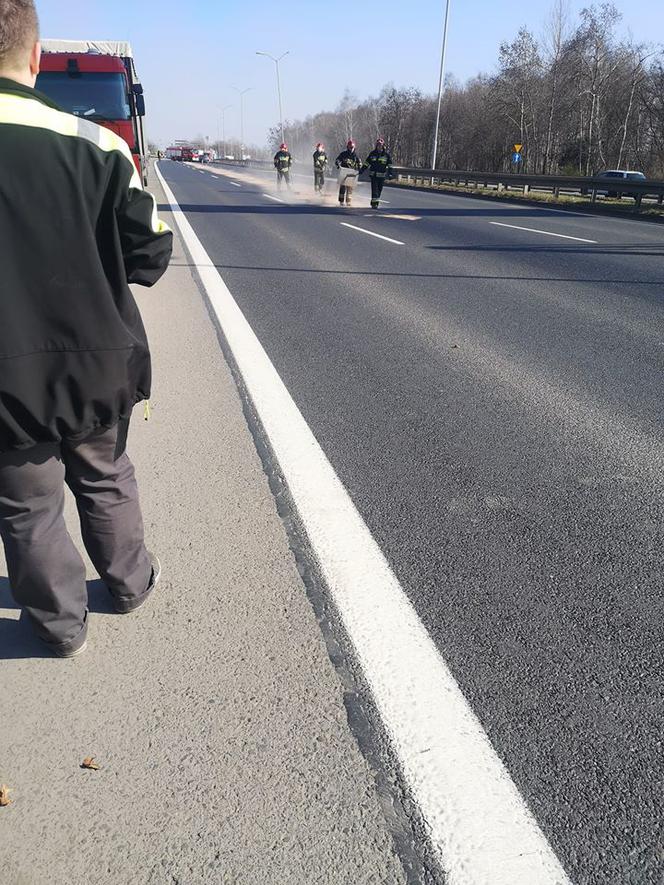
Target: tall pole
<point x="242" y="93"/>
<point x="441" y="83"/>
<point x="281" y="111"/>
<point x="223" y="129"/>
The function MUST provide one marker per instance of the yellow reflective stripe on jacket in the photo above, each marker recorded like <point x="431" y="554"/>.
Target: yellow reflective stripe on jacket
<point x="17" y="110"/>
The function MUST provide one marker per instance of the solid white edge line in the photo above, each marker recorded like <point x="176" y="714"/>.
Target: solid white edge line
<point x="371" y="233"/>
<point x="478" y="824"/>
<point x="548" y="233"/>
<point x="276" y="199"/>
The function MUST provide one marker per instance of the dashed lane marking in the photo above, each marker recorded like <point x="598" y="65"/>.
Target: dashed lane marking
<point x="371" y="233"/>
<point x="479" y="825"/>
<point x="276" y="199"/>
<point x="547" y="233"/>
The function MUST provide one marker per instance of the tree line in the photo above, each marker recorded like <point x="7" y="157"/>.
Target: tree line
<point x="580" y="98"/>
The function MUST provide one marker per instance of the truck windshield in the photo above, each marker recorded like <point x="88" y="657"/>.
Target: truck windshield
<point x="96" y="96"/>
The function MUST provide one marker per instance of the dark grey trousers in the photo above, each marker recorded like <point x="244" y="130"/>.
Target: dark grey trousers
<point x="46" y="571"/>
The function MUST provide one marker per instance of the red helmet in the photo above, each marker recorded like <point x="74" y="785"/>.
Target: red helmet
<point x="320" y="146"/>
<point x="283" y="146"/>
<point x="351" y="144"/>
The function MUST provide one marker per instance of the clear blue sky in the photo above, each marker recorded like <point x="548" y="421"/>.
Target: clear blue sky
<point x="190" y="58"/>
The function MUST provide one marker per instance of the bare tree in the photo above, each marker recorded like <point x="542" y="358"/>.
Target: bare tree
<point x="556" y="37"/>
<point x="578" y="99"/>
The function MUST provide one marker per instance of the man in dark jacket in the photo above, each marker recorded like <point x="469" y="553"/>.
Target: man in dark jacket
<point x="282" y="163"/>
<point x="347" y="160"/>
<point x="379" y="164"/>
<point x="320" y="165"/>
<point x="76" y="227"/>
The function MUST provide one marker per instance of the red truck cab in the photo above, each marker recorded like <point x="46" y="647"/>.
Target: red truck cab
<point x="97" y="81"/>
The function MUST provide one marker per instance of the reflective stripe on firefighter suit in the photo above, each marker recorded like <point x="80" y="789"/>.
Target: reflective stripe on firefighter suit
<point x="282" y="163"/>
<point x="378" y="163"/>
<point x="347" y="160"/>
<point x="320" y="165"/>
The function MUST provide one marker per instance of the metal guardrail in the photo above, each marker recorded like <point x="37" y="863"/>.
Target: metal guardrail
<point x="262" y="164"/>
<point x="555" y="184"/>
<point x="506" y="181"/>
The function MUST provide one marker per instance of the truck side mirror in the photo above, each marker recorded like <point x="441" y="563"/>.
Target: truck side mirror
<point x="140" y="105"/>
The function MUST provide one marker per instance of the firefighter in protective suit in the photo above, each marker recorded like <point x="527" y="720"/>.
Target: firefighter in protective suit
<point x="347" y="159"/>
<point x="282" y="163"/>
<point x="379" y="164"/>
<point x="320" y="165"/>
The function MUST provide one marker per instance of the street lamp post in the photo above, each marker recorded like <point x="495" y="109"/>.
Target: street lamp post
<point x="242" y="93"/>
<point x="441" y="83"/>
<point x="223" y="129"/>
<point x="276" y="63"/>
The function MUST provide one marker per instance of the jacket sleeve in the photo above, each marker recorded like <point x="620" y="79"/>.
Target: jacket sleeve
<point x="146" y="242"/>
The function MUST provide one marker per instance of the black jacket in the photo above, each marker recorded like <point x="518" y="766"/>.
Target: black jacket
<point x="378" y="163"/>
<point x="76" y="227"/>
<point x="320" y="160"/>
<point x="283" y="161"/>
<point x="348" y="160"/>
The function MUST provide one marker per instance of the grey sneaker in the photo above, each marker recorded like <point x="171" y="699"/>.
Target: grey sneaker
<point x="72" y="654"/>
<point x="124" y="606"/>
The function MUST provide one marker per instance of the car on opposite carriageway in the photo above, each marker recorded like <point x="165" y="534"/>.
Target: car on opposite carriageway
<point x="615" y="176"/>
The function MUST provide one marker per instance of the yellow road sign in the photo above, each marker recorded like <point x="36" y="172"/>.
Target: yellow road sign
<point x="517" y="148"/>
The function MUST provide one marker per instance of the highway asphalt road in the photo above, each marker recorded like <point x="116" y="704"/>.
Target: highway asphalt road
<point x="485" y="380"/>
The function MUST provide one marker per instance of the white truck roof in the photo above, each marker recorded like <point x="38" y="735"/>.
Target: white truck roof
<point x="101" y="47"/>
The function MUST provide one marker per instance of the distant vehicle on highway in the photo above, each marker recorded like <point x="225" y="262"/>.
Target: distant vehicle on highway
<point x="97" y="80"/>
<point x="621" y="175"/>
<point x="180" y="154"/>
<point x="198" y="155"/>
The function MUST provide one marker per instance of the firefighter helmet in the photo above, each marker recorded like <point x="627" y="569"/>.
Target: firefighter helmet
<point x="283" y="146"/>
<point x="380" y="142"/>
<point x="320" y="146"/>
<point x="351" y="145"/>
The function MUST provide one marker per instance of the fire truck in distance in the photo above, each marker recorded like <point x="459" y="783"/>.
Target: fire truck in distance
<point x="180" y="154"/>
<point x="97" y="80"/>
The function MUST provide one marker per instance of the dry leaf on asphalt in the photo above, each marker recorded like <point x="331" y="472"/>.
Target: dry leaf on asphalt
<point x="4" y="796"/>
<point x="89" y="762"/>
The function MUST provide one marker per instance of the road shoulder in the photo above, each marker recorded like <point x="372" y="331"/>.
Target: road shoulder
<point x="215" y="714"/>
